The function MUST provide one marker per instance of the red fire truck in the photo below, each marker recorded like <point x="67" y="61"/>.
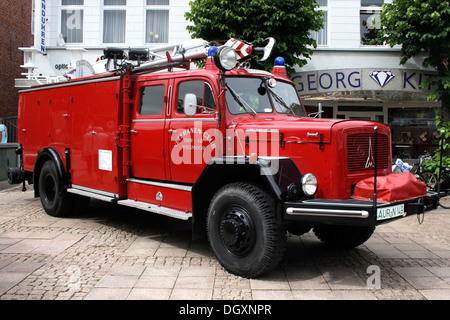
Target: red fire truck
<point x="229" y="147"/>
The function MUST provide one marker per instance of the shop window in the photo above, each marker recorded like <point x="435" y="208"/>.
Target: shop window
<point x="114" y="21"/>
<point x="321" y="36"/>
<point x="370" y="19"/>
<point x="413" y="132"/>
<point x="72" y="20"/>
<point x="157" y="21"/>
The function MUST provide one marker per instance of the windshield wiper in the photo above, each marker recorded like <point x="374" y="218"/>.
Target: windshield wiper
<point x="240" y="101"/>
<point x="281" y="101"/>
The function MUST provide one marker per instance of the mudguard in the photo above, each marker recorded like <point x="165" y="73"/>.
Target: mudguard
<point x="43" y="156"/>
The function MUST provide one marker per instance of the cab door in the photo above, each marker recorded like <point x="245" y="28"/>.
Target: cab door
<point x="193" y="140"/>
<point x="148" y="130"/>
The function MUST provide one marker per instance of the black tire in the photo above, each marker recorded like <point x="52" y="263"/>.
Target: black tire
<point x="298" y="229"/>
<point x="243" y="232"/>
<point x="56" y="202"/>
<point x="343" y="236"/>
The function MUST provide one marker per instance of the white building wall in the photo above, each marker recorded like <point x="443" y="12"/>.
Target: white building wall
<point x="135" y="26"/>
<point x="92" y="47"/>
<point x="344" y="23"/>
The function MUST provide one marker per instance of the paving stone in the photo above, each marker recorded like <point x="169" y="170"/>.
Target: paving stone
<point x="118" y="253"/>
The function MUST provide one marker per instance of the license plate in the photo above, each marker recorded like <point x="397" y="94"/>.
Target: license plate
<point x="390" y="212"/>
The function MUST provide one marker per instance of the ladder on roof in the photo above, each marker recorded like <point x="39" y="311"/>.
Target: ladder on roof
<point x="148" y="59"/>
<point x="171" y="55"/>
<point x="182" y="53"/>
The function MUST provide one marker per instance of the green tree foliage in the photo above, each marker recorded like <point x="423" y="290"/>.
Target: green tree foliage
<point x="421" y="27"/>
<point x="288" y="21"/>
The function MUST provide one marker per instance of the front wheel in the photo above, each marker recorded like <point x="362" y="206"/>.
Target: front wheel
<point x="243" y="232"/>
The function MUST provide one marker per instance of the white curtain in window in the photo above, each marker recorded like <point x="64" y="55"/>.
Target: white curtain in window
<point x="72" y="25"/>
<point x="157" y="2"/>
<point x="72" y="2"/>
<point x="157" y="27"/>
<point x="115" y="2"/>
<point x="114" y="22"/>
<point x="321" y="36"/>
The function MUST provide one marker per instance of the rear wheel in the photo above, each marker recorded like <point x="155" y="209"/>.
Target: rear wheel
<point x="56" y="202"/>
<point x="243" y="232"/>
<point x="343" y="236"/>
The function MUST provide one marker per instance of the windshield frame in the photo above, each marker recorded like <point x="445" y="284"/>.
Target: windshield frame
<point x="270" y="97"/>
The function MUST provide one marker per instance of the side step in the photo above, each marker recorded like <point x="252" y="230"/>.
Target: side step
<point x="111" y="197"/>
<point x="92" y="193"/>
<point x="156" y="209"/>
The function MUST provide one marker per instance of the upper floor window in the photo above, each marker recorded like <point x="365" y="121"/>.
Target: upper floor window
<point x="321" y="36"/>
<point x="157" y="21"/>
<point x="370" y="19"/>
<point x="114" y="21"/>
<point x="72" y="20"/>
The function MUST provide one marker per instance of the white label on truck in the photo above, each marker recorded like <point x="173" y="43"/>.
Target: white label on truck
<point x="105" y="160"/>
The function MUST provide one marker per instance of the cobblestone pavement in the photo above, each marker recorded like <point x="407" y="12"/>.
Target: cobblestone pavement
<point x="119" y="253"/>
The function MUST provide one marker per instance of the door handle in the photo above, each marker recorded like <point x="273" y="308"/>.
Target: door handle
<point x="133" y="131"/>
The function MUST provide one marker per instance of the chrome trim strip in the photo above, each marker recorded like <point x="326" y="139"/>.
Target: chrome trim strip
<point x="90" y="194"/>
<point x="162" y="184"/>
<point x="327" y="212"/>
<point x="156" y="209"/>
<point x="100" y="192"/>
<point x="169" y="103"/>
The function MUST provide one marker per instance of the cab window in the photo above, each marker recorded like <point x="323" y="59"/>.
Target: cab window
<point x="151" y="100"/>
<point x="202" y="90"/>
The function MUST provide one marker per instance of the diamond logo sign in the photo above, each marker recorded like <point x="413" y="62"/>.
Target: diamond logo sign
<point x="382" y="77"/>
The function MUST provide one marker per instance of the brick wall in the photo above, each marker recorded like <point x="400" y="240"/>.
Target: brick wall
<point x="15" y="32"/>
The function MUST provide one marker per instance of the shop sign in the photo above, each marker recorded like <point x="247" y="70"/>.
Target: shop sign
<point x="360" y="80"/>
<point x="42" y="19"/>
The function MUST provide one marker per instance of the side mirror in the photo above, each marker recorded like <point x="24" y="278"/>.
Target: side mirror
<point x="190" y="104"/>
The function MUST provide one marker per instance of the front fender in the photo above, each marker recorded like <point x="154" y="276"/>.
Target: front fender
<point x="279" y="176"/>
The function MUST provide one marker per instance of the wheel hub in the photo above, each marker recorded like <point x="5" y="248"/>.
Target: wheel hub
<point x="236" y="231"/>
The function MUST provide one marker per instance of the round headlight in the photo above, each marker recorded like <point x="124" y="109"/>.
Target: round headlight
<point x="309" y="184"/>
<point x="225" y="58"/>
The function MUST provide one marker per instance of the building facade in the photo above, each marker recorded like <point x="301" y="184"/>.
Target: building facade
<point x="67" y="31"/>
<point x="347" y="77"/>
<point x="14" y="33"/>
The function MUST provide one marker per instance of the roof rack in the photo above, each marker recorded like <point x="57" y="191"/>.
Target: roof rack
<point x="149" y="59"/>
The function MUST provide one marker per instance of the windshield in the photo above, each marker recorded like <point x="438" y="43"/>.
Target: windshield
<point x="253" y="95"/>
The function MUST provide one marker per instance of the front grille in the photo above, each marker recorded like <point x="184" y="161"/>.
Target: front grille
<point x="361" y="151"/>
